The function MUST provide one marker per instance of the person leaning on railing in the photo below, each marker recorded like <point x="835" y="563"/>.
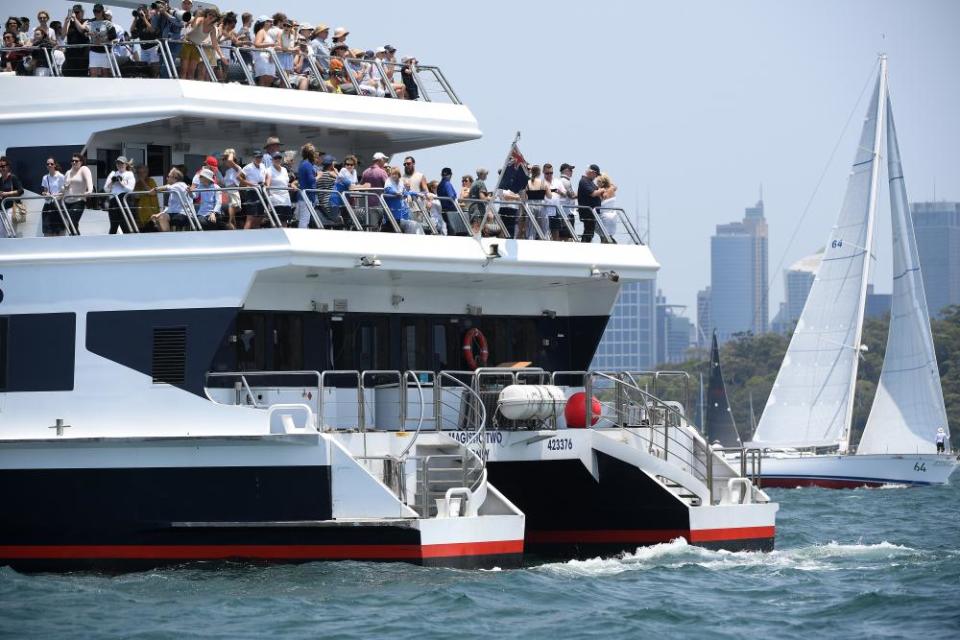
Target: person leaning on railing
<point x="395" y="194"/>
<point x="173" y="214"/>
<point x="202" y="38"/>
<point x="10" y="187"/>
<point x="230" y="38"/>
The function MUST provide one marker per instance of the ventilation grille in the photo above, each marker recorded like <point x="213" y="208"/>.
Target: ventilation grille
<point x="169" y="355"/>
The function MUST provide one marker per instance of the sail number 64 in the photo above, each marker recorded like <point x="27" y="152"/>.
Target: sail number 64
<point x="836" y="244"/>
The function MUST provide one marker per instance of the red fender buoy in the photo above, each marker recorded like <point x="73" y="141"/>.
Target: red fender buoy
<point x="575" y="412"/>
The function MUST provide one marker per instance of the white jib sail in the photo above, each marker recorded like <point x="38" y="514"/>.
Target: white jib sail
<point x="811" y="400"/>
<point x="908" y="407"/>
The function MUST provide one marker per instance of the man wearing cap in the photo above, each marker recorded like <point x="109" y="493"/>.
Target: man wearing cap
<point x="589" y="197"/>
<point x="252" y="175"/>
<point x="119" y="181"/>
<point x="448" y="194"/>
<point x="208" y="213"/>
<point x="375" y="175"/>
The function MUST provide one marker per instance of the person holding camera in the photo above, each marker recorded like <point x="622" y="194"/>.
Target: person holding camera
<point x="75" y="36"/>
<point x="120" y="181"/>
<point x="167" y="24"/>
<point x="142" y="29"/>
<point x="101" y="31"/>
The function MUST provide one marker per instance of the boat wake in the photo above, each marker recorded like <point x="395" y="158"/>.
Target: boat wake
<point x="679" y="554"/>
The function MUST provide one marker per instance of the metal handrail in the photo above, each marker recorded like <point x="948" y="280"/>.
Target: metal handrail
<point x="32" y="48"/>
<point x="463" y="215"/>
<point x="185" y="204"/>
<point x="345" y="204"/>
<point x="416" y="380"/>
<point x="417" y="206"/>
<point x="169" y="63"/>
<point x="531" y="218"/>
<point x="489" y="211"/>
<point x="124" y="211"/>
<point x="243" y="375"/>
<point x="373" y="193"/>
<point x="56" y="199"/>
<point x="360" y="403"/>
<point x="624" y="219"/>
<point x="260" y="192"/>
<point x="478" y="439"/>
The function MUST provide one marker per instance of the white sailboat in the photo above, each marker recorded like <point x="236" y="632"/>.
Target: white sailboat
<point x="804" y="431"/>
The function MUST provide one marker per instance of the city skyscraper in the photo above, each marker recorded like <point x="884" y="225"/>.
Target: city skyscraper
<point x="629" y="342"/>
<point x="937" y="227"/>
<point x="739" y="275"/>
<point x="704" y="323"/>
<point x="673" y="331"/>
<point x="797" y="280"/>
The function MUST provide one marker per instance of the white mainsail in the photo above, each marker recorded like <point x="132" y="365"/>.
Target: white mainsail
<point x="908" y="407"/>
<point x="812" y="398"/>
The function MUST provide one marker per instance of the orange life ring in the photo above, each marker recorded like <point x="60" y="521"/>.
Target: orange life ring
<point x="479" y="360"/>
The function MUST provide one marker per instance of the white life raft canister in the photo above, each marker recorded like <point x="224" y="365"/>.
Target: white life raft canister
<point x="531" y="401"/>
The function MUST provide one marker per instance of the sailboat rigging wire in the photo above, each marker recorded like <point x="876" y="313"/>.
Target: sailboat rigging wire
<point x="823" y="174"/>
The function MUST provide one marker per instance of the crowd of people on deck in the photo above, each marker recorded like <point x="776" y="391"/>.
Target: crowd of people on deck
<point x="310" y="56"/>
<point x="307" y="187"/>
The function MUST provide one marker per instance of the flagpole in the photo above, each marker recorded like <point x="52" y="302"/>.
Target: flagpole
<point x="506" y="161"/>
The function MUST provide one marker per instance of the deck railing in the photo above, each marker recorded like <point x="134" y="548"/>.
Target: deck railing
<point x="377" y="78"/>
<point x="365" y="210"/>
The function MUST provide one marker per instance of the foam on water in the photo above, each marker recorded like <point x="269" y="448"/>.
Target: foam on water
<point x="678" y="553"/>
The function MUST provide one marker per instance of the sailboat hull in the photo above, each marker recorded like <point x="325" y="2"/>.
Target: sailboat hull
<point x="851" y="471"/>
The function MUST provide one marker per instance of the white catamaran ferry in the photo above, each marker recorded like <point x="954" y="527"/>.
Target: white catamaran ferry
<point x="294" y="394"/>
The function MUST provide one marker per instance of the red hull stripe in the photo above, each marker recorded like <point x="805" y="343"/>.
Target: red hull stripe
<point x="642" y="536"/>
<point x="260" y="552"/>
<point x="826" y="483"/>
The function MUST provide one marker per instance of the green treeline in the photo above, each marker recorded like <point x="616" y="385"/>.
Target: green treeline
<point x="750" y="365"/>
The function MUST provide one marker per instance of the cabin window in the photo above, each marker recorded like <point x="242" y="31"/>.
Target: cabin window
<point x="251" y="330"/>
<point x="439" y="359"/>
<point x="408" y="349"/>
<point x="287" y="342"/>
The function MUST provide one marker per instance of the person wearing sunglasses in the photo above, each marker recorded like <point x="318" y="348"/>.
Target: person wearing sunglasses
<point x="51" y="185"/>
<point x="78" y="183"/>
<point x="10" y="187"/>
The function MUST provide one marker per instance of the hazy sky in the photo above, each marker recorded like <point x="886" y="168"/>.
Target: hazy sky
<point x="692" y="103"/>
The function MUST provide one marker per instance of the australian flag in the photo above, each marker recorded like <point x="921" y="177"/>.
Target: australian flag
<point x="516" y="173"/>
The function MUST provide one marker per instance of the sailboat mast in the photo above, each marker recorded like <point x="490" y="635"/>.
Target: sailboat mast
<point x="868" y="245"/>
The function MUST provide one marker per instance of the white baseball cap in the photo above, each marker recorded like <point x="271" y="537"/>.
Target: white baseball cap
<point x="380" y="156"/>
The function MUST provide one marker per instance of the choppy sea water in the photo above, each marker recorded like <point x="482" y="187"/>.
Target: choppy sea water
<point x="852" y="564"/>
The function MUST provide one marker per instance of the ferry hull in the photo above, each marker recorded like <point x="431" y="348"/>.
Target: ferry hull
<point x="118" y="519"/>
<point x="572" y="512"/>
<point x="853" y="471"/>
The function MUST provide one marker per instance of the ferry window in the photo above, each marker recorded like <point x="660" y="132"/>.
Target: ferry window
<point x="250" y="341"/>
<point x="340" y="355"/>
<point x="439" y="347"/>
<point x="287" y="342"/>
<point x="409" y="347"/>
<point x="158" y="159"/>
<point x="3" y="353"/>
<point x="366" y="345"/>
